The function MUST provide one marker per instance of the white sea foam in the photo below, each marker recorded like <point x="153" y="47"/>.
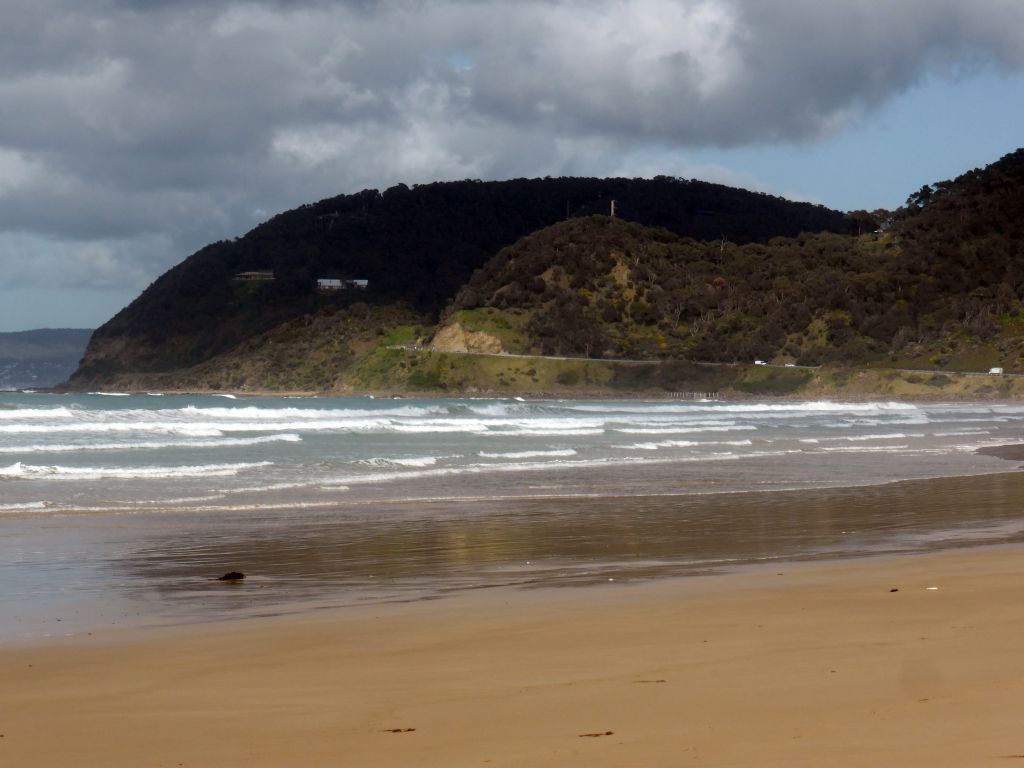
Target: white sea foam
<point x="180" y="500"/>
<point x="267" y="488"/>
<point x="432" y="428"/>
<point x="886" y="436"/>
<point x="681" y="444"/>
<point x="864" y="438"/>
<point x="544" y="466"/>
<point x="550" y="432"/>
<point x="886" y="422"/>
<point x="253" y="412"/>
<point x="496" y="409"/>
<point x="24" y="506"/>
<point x="470" y="469"/>
<point x="965" y="420"/>
<point x="81" y="427"/>
<point x="821" y="406"/>
<point x="19" y="470"/>
<point x="217" y="428"/>
<point x="420" y="461"/>
<point x="395" y="461"/>
<point x="110" y="394"/>
<point x="683" y="430"/>
<point x="226" y="442"/>
<point x="864" y="448"/>
<point x="660" y="427"/>
<point x="19" y="414"/>
<point x="560" y="453"/>
<point x="320" y="446"/>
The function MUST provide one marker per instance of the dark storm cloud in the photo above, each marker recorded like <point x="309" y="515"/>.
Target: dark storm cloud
<point x="142" y="129"/>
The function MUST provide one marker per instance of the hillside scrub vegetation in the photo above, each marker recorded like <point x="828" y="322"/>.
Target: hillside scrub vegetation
<point x="416" y="246"/>
<point x="688" y="272"/>
<point x="941" y="285"/>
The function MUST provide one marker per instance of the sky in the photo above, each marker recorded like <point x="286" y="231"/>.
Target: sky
<point x="133" y="132"/>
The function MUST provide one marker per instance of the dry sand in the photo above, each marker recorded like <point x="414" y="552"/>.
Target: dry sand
<point x="799" y="665"/>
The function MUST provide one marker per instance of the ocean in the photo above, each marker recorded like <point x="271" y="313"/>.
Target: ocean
<point x="121" y="508"/>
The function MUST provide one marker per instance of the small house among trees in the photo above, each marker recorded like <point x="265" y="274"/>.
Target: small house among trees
<point x="334" y="284"/>
<point x="257" y="276"/>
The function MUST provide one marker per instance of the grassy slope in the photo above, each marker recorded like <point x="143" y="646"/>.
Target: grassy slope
<point x="435" y="372"/>
<point x="360" y="349"/>
<point x="365" y="362"/>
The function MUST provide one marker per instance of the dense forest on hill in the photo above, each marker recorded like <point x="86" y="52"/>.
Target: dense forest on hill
<point x="686" y="271"/>
<point x="947" y="275"/>
<point x="416" y="245"/>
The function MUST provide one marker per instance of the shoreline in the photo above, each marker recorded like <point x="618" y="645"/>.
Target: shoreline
<point x="659" y="396"/>
<point x="902" y="660"/>
<point x="626" y="539"/>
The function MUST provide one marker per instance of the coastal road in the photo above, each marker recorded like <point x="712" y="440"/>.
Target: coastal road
<point x="421" y="348"/>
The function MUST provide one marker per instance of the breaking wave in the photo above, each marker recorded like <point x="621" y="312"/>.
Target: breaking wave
<point x="18" y="470"/>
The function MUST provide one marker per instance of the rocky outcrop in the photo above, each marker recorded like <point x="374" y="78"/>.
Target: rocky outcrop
<point x="455" y="338"/>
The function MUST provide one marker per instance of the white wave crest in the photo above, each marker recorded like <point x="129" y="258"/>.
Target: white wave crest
<point x="684" y="430"/>
<point x="495" y="409"/>
<point x="819" y="406"/>
<point x="865" y="438"/>
<point x="474" y="469"/>
<point x="152" y="445"/>
<point x="19" y="470"/>
<point x="865" y="449"/>
<point x="412" y="461"/>
<point x="253" y="412"/>
<point x="682" y="444"/>
<point x="60" y="412"/>
<point x="116" y="427"/>
<point x="528" y="454"/>
<point x="25" y="506"/>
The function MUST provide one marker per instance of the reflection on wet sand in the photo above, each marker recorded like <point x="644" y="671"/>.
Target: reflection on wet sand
<point x="389" y="552"/>
<point x="145" y="569"/>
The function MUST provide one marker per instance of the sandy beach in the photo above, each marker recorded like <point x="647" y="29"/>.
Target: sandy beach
<point x="902" y="661"/>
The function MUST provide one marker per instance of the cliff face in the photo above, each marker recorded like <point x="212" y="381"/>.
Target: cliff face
<point x="455" y="338"/>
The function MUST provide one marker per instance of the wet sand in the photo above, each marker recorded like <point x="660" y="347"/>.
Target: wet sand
<point x="1014" y="452"/>
<point x="886" y="661"/>
<point x="69" y="575"/>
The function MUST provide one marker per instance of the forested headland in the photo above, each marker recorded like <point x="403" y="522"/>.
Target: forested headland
<point x="686" y="272"/>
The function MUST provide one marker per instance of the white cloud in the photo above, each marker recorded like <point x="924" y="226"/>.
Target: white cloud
<point x="27" y="259"/>
<point x="16" y="170"/>
<point x="134" y="131"/>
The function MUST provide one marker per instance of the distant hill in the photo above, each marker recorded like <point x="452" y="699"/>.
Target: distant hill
<point x="41" y="358"/>
<point x="417" y="246"/>
<point x="937" y="285"/>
